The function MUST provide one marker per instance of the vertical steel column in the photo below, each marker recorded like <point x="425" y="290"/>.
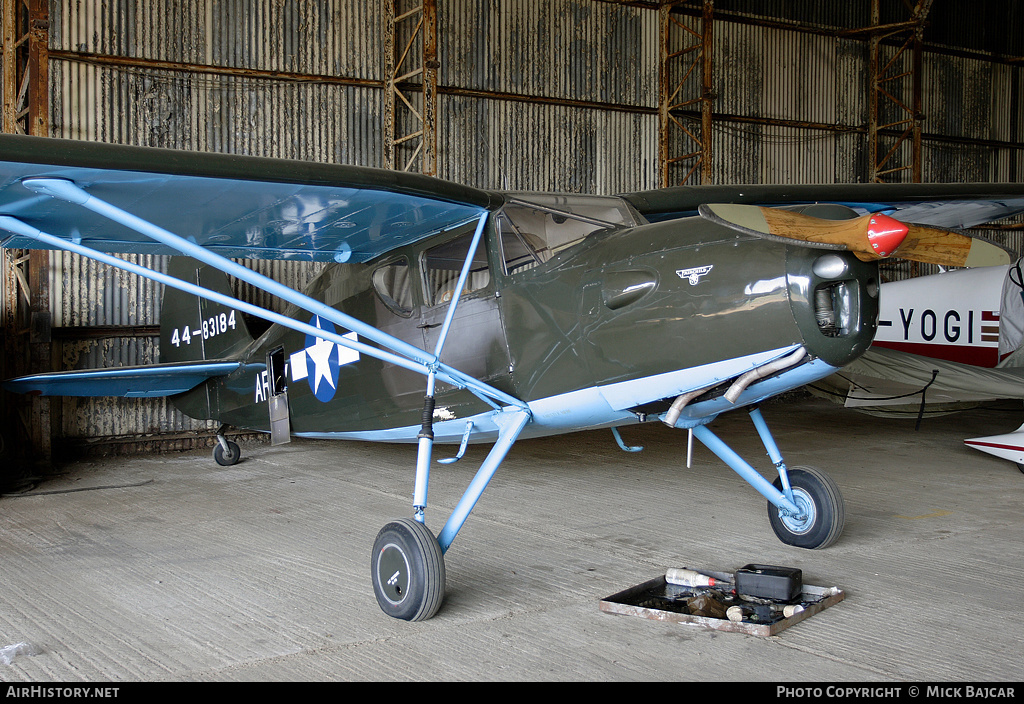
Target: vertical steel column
<point x="9" y="11"/>
<point x="410" y="95"/>
<point x="430" y="68"/>
<point x="26" y="110"/>
<point x="888" y="89"/>
<point x="707" y="88"/>
<point x="676" y="67"/>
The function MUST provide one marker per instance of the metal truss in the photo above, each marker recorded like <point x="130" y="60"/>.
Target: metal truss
<point x="894" y="127"/>
<point x="684" y="141"/>
<point x="26" y="101"/>
<point x="410" y="92"/>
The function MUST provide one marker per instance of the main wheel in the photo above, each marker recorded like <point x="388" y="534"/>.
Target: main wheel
<point x="818" y="496"/>
<point x="407" y="567"/>
<point x="228" y="458"/>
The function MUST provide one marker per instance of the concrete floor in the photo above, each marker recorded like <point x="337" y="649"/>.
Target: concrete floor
<point x="261" y="571"/>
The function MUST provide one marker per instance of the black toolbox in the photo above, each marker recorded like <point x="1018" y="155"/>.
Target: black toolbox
<point x="769" y="582"/>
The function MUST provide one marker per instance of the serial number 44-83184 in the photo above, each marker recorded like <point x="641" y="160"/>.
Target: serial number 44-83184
<point x="213" y="326"/>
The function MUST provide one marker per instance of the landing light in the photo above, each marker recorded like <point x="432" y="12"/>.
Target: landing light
<point x="830" y="266"/>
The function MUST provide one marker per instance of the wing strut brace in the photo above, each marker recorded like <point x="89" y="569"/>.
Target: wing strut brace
<point x="70" y="192"/>
<point x="511" y="414"/>
<point x="783" y="499"/>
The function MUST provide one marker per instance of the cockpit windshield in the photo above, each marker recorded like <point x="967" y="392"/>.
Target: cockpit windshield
<point x="536" y="227"/>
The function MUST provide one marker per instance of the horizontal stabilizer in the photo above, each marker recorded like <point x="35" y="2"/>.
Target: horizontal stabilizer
<point x="1009" y="446"/>
<point x="148" y="381"/>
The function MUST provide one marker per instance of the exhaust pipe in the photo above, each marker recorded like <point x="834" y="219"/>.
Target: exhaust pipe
<point x="738" y="386"/>
<point x="672" y="415"/>
<point x="741" y="384"/>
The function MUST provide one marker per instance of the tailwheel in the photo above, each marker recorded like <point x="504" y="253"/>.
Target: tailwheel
<point x="824" y="514"/>
<point x="407" y="567"/>
<point x="228" y="457"/>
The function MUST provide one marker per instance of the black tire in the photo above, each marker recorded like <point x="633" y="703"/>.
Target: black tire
<point x="407" y="567"/>
<point x="815" y="491"/>
<point x="226" y="459"/>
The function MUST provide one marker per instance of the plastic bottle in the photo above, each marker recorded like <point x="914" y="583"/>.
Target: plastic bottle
<point x="689" y="578"/>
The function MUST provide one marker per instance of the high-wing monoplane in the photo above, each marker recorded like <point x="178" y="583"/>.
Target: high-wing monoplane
<point x="459" y="315"/>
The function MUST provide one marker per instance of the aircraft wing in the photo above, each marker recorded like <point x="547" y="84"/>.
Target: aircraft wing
<point x="952" y="205"/>
<point x="98" y="200"/>
<point x="128" y="382"/>
<point x="238" y="207"/>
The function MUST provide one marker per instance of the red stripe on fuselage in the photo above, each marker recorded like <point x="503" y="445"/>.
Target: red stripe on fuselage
<point x="975" y="356"/>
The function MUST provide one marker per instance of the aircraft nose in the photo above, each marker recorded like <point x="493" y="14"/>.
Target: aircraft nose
<point x="834" y="296"/>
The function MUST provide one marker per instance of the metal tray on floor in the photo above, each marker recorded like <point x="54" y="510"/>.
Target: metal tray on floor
<point x="645" y="599"/>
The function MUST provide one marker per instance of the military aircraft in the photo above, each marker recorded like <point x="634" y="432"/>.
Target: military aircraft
<point x="459" y="315"/>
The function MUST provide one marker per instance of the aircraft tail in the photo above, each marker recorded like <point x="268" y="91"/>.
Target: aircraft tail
<point x="193" y="328"/>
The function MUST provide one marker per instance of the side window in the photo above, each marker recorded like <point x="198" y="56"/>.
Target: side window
<point x="394" y="287"/>
<point x="520" y="250"/>
<point x="443" y="264"/>
<point x="536" y="227"/>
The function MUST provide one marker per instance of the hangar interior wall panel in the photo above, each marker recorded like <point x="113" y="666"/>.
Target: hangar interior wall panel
<point x="567" y="49"/>
<point x="524" y="146"/>
<point x="317" y="37"/>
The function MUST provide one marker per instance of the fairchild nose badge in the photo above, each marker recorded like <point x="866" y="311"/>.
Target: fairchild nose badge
<point x="694" y="273"/>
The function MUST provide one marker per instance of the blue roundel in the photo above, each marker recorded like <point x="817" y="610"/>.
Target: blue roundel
<point x="322" y="362"/>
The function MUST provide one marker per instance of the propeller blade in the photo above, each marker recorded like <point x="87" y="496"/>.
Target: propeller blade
<point x="870" y="237"/>
<point x="945" y="248"/>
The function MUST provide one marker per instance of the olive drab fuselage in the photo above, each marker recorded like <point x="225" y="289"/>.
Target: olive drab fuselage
<point x="620" y="304"/>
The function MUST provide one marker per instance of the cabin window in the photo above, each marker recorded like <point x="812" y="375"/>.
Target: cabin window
<point x="520" y="250"/>
<point x="536" y="227"/>
<point x="394" y="287"/>
<point x="443" y="264"/>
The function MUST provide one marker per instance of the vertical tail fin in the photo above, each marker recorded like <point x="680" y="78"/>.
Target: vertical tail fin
<point x="193" y="328"/>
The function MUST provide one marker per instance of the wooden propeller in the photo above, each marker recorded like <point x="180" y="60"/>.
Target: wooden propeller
<point x="870" y="237"/>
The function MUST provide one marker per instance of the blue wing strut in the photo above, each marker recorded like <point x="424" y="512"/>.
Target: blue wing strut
<point x="511" y="414"/>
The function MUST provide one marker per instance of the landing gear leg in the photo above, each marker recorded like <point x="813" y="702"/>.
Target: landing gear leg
<point x="407" y="565"/>
<point x="805" y="507"/>
<point x="225" y="452"/>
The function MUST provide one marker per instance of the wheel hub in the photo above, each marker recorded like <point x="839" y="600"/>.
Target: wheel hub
<point x="805" y="520"/>
<point x="393" y="573"/>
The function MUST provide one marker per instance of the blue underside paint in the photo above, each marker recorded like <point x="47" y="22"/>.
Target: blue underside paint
<point x="128" y="382"/>
<point x="589" y="409"/>
<point x="233" y="217"/>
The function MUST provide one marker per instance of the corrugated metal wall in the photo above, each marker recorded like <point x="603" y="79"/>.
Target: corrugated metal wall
<point x="546" y="58"/>
<point x="534" y="95"/>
